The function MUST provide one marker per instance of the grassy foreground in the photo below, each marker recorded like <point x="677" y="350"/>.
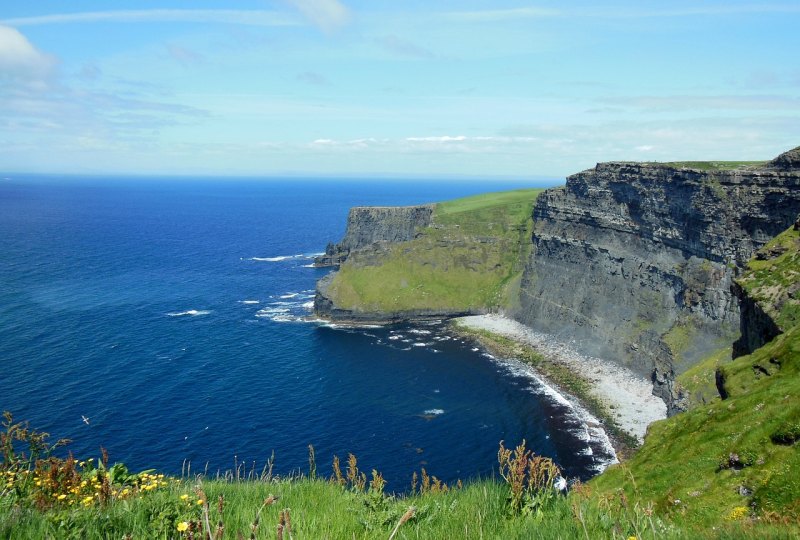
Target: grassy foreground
<point x="470" y="258"/>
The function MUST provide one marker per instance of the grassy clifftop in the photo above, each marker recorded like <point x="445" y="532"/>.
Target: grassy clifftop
<point x="469" y="258"/>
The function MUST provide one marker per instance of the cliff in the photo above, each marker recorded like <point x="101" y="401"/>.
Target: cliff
<point x="368" y="227"/>
<point x="769" y="292"/>
<point x="635" y="261"/>
<point x="738" y="449"/>
<point x="428" y="262"/>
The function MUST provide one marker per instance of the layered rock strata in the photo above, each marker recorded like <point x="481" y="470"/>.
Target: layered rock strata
<point x="370" y="226"/>
<point x="634" y="261"/>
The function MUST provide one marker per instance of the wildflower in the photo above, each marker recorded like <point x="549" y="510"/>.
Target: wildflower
<point x="737" y="513"/>
<point x="184" y="497"/>
<point x="200" y="501"/>
<point x="182" y="526"/>
<point x="632" y="538"/>
<point x="62" y="497"/>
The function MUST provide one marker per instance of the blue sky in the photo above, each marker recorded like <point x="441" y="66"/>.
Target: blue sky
<point x="345" y="87"/>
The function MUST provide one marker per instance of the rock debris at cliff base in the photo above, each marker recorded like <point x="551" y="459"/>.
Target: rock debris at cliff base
<point x="630" y="396"/>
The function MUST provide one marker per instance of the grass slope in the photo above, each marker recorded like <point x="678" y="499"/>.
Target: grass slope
<point x="732" y="460"/>
<point x="469" y="258"/>
<point x="715" y="165"/>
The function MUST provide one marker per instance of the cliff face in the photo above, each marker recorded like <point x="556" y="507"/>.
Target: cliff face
<point x="368" y="227"/>
<point x="634" y="262"/>
<point x="448" y="259"/>
<point x="769" y="292"/>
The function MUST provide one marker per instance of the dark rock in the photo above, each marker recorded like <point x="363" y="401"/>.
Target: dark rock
<point x="797" y="224"/>
<point x="788" y="161"/>
<point x="371" y="225"/>
<point x="756" y="327"/>
<point x="625" y="251"/>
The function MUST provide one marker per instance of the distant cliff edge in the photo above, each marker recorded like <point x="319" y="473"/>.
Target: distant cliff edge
<point x="428" y="262"/>
<point x="632" y="262"/>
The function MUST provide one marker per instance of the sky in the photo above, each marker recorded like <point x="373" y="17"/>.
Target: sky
<point x="495" y="88"/>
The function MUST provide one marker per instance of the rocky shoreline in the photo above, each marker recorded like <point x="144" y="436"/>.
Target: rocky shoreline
<point x="628" y="395"/>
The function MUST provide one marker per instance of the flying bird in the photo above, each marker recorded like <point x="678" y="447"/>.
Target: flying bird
<point x="85" y="420"/>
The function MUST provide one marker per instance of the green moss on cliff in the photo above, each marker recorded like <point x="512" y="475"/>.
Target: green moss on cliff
<point x="735" y="458"/>
<point x="699" y="381"/>
<point x="468" y="259"/>
<point x="773" y="279"/>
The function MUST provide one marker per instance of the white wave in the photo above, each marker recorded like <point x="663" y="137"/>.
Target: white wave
<point x="308" y="305"/>
<point x="289" y="295"/>
<point x="435" y="412"/>
<point x="249" y="302"/>
<point x="190" y="312"/>
<point x="393" y="338"/>
<point x="279" y="258"/>
<point x="475" y="349"/>
<point x="587" y="433"/>
<point x="312" y="265"/>
<point x="270" y="312"/>
<point x="419" y="332"/>
<point x="419" y="344"/>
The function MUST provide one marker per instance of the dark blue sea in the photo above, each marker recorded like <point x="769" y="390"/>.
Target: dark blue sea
<point x="173" y="315"/>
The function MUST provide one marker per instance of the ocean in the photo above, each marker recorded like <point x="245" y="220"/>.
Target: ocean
<point x="173" y="314"/>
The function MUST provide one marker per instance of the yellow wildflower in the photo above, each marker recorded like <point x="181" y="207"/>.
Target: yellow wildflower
<point x="182" y="526"/>
<point x="200" y="501"/>
<point x="62" y="497"/>
<point x="184" y="497"/>
<point x="737" y="513"/>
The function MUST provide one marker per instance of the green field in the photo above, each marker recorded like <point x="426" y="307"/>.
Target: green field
<point x="716" y="165"/>
<point x="470" y="258"/>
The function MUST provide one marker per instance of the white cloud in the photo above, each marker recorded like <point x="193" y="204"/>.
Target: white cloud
<point x="225" y="16"/>
<point x="493" y="15"/>
<point x="500" y="15"/>
<point x="645" y="148"/>
<point x="329" y="15"/>
<point x="21" y="62"/>
<point x="441" y="139"/>
<point x="718" y="102"/>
